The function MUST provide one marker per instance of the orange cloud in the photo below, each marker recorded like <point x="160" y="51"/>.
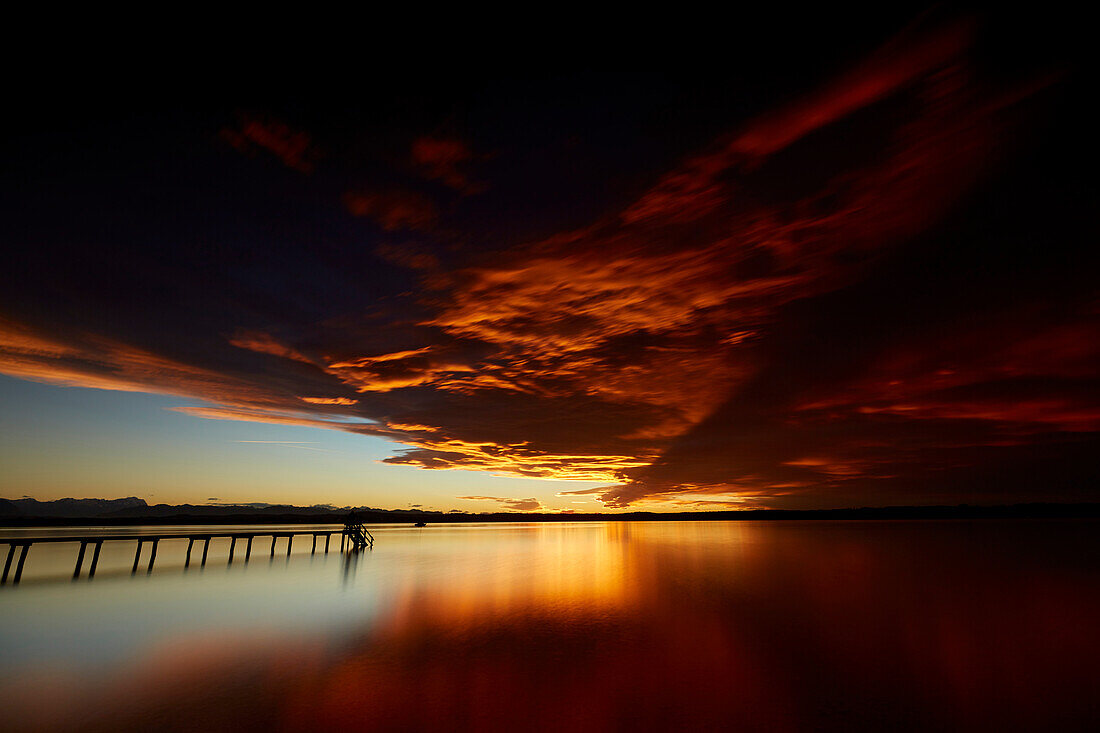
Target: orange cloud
<point x="385" y="372"/>
<point x="87" y="360"/>
<point x="658" y="317"/>
<point x="756" y="327"/>
<point x="345" y="401"/>
<point x="512" y="460"/>
<point x="662" y="305"/>
<point x="265" y="343"/>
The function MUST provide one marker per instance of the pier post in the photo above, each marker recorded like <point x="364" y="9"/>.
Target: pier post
<point x="153" y="556"/>
<point x="95" y="559"/>
<point x="96" y="541"/>
<point x="7" y="563"/>
<point x="22" y="559"/>
<point x="80" y="559"/>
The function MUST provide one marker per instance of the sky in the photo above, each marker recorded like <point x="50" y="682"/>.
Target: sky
<point x="852" y="264"/>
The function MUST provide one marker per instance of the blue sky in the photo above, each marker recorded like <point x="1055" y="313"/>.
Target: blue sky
<point x="69" y="441"/>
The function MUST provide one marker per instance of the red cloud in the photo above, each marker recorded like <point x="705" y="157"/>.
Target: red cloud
<point x="293" y="147"/>
<point x="393" y="209"/>
<point x="740" y="334"/>
<point x="904" y="60"/>
<point x="443" y="159"/>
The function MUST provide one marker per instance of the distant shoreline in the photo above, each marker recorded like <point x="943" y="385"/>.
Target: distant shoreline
<point x="227" y="516"/>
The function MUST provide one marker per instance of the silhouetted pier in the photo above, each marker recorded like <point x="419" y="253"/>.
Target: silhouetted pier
<point x="352" y="537"/>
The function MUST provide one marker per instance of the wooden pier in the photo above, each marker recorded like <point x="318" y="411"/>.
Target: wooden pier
<point x="349" y="539"/>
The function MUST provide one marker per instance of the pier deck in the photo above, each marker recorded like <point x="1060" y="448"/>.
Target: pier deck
<point x="97" y="540"/>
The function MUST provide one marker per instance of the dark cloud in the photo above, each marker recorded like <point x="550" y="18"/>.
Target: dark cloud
<point x="293" y="148"/>
<point x="873" y="290"/>
<point x="445" y="159"/>
<point x="408" y="254"/>
<point x="515" y="505"/>
<point x="393" y="209"/>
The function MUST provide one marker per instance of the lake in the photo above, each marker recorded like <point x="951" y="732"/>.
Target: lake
<point x="773" y="625"/>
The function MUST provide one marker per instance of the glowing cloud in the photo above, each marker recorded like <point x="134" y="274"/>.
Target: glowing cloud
<point x="796" y="314"/>
<point x="514" y="505"/>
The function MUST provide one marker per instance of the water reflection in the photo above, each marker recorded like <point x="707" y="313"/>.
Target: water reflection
<point x="679" y="625"/>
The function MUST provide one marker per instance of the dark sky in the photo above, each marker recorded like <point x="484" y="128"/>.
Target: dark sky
<point x="838" y="263"/>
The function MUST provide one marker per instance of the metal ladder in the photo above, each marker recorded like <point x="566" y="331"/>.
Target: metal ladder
<point x="360" y="537"/>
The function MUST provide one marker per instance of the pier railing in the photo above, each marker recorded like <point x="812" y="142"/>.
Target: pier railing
<point x="359" y="536"/>
<point x="23" y="544"/>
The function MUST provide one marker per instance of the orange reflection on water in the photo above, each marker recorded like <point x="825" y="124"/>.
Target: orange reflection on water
<point x="544" y="569"/>
<point x="651" y="626"/>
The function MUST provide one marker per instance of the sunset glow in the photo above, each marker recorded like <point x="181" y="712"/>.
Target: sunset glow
<point x="850" y="287"/>
<point x="753" y="388"/>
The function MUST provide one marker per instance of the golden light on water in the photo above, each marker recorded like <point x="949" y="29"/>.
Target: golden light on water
<point x="772" y="624"/>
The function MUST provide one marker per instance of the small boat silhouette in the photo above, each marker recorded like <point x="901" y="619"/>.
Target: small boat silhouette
<point x="420" y="524"/>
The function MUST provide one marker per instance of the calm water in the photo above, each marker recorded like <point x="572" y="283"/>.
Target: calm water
<point x="565" y="627"/>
